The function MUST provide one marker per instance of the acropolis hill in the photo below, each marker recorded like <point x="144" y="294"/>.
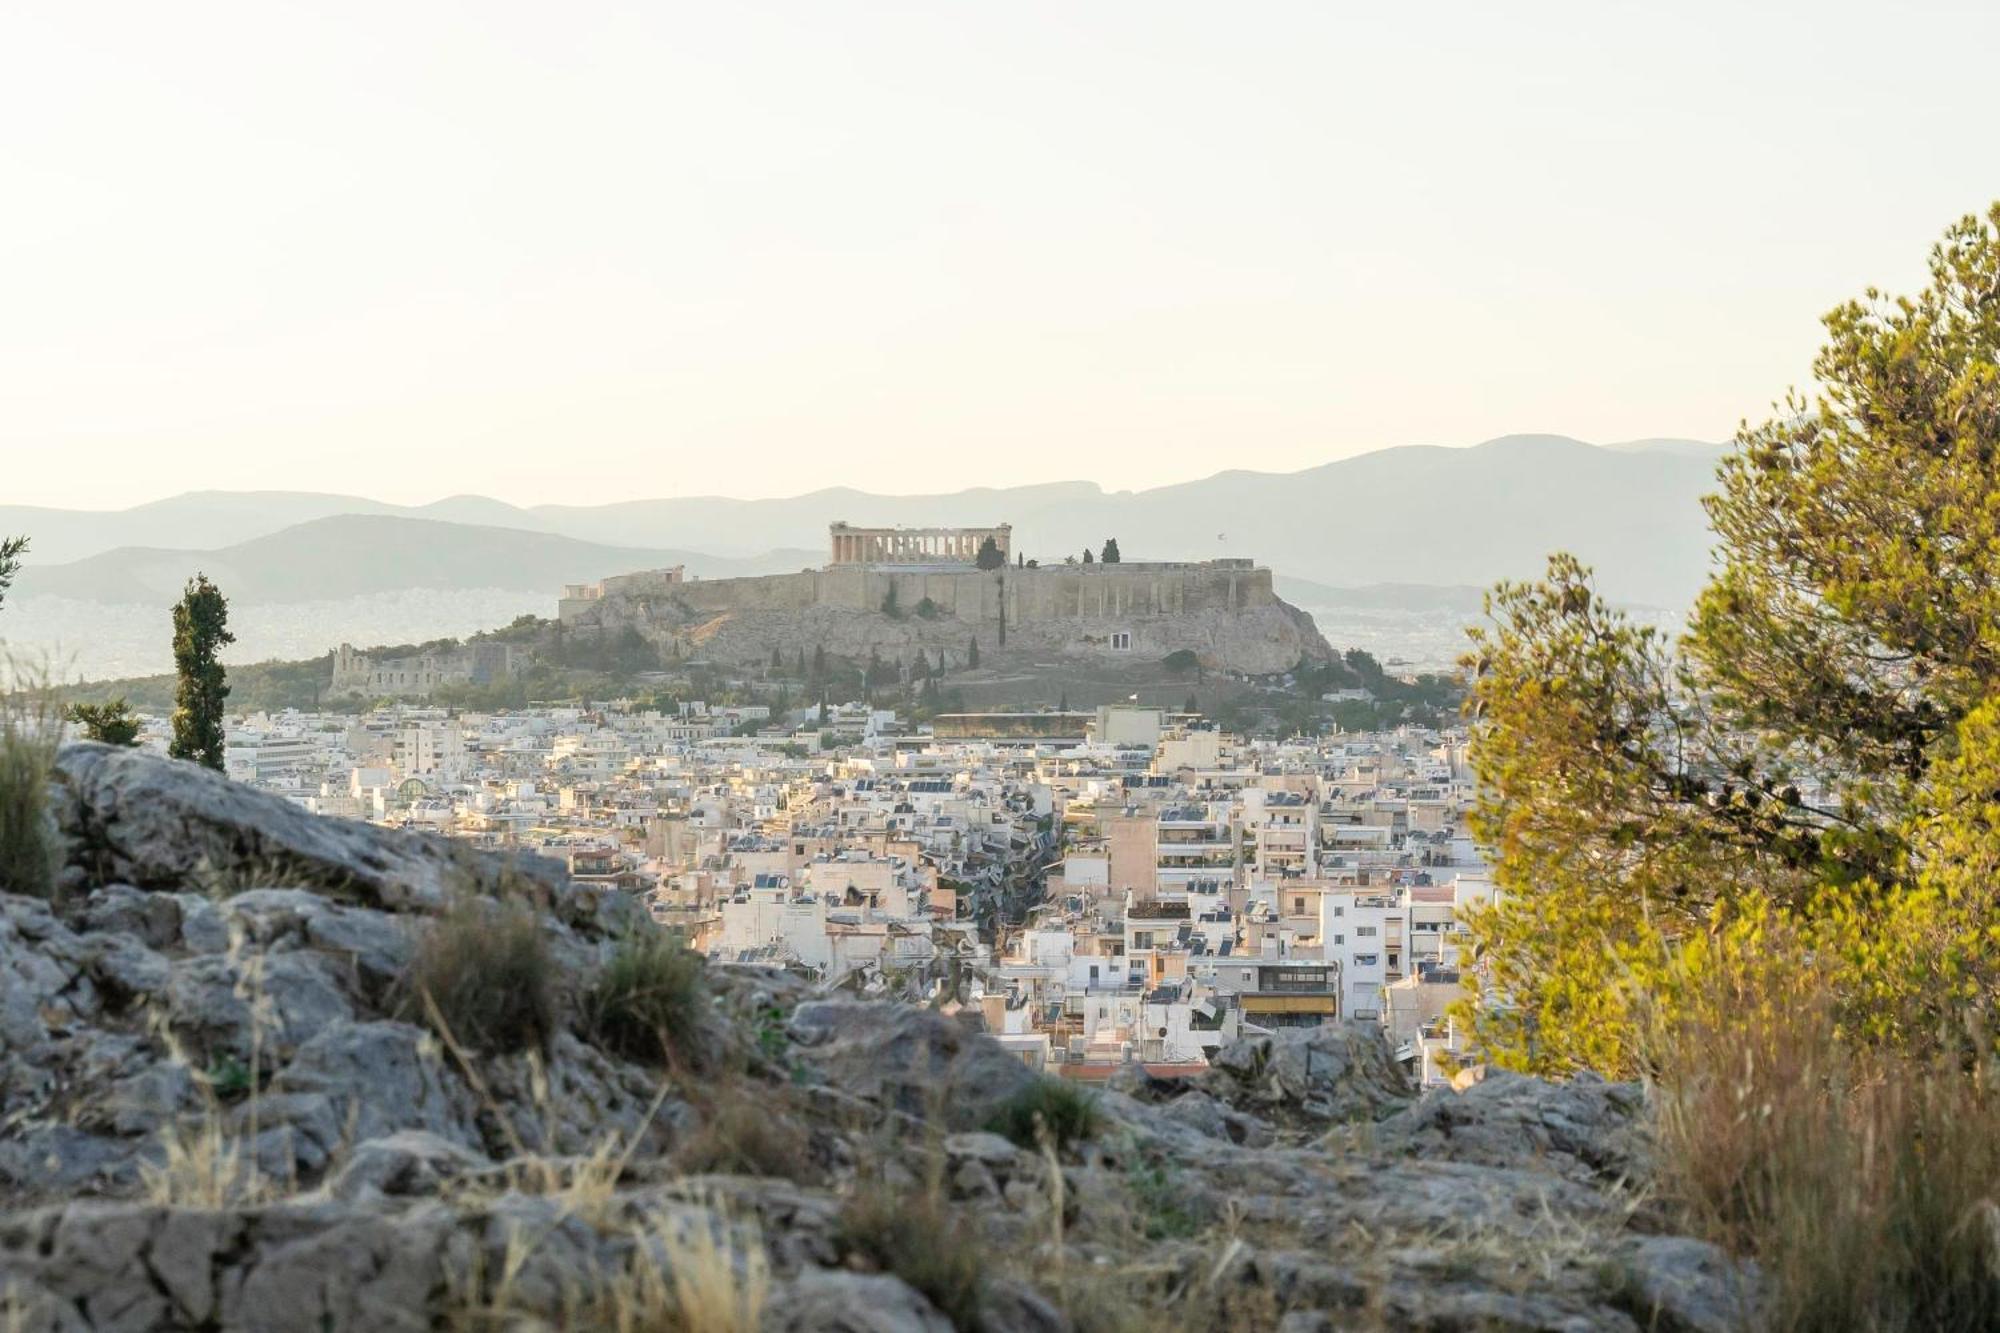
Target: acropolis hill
<point x="890" y="591"/>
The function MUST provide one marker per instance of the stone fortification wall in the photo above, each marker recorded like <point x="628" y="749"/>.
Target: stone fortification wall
<point x="1225" y="611"/>
<point x="370" y="676"/>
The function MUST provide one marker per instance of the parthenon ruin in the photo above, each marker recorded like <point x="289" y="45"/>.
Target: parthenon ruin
<point x="912" y="546"/>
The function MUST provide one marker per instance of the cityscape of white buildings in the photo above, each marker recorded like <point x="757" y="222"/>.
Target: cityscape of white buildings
<point x="1136" y="896"/>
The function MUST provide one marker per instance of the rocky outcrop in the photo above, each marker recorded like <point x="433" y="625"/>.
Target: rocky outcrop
<point x="906" y="1059"/>
<point x="1582" y="1125"/>
<point x="1311" y="1077"/>
<point x="216" y="1112"/>
<point x="1226" y="613"/>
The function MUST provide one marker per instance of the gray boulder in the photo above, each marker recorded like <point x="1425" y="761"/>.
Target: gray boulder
<point x="1580" y="1125"/>
<point x="352" y="1082"/>
<point x="134" y="818"/>
<point x="819" y="1301"/>
<point x="409" y="1163"/>
<point x="1311" y="1077"/>
<point x="916" y="1061"/>
<point x="1682" y="1285"/>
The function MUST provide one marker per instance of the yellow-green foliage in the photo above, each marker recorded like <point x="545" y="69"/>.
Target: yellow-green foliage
<point x="1816" y="757"/>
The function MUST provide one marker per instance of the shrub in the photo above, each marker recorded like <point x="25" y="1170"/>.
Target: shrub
<point x="483" y="977"/>
<point x="922" y="1241"/>
<point x="30" y="732"/>
<point x="1049" y="1107"/>
<point x="112" y="723"/>
<point x="647" y="1003"/>
<point x="1864" y="1181"/>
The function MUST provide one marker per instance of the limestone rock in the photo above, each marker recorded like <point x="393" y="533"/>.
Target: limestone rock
<point x="1580" y="1124"/>
<point x="1311" y="1076"/>
<point x="1678" y="1284"/>
<point x="819" y="1301"/>
<point x="915" y="1061"/>
<point x="130" y="817"/>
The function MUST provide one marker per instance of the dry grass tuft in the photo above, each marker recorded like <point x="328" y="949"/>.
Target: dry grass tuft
<point x="649" y="1000"/>
<point x="1865" y="1183"/>
<point x="690" y="1271"/>
<point x="483" y="976"/>
<point x="688" y="1274"/>
<point x="920" y="1238"/>
<point x="31" y="730"/>
<point x="748" y="1132"/>
<point x="205" y="1165"/>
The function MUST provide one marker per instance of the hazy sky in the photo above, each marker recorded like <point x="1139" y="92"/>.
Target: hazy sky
<point x="587" y="252"/>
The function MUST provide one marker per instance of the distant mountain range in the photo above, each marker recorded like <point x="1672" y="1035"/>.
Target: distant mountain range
<point x="358" y="555"/>
<point x="1438" y="521"/>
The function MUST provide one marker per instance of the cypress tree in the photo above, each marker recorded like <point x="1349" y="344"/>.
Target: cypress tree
<point x="201" y="630"/>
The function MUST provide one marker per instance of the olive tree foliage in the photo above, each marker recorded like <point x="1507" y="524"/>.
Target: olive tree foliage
<point x="1819" y="750"/>
<point x="201" y="631"/>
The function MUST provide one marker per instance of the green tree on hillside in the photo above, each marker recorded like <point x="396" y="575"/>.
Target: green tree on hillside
<point x="1816" y="758"/>
<point x="972" y="654"/>
<point x="10" y="562"/>
<point x="113" y="723"/>
<point x="1110" y="555"/>
<point x="201" y="631"/>
<point x="989" y="556"/>
<point x="1088" y="558"/>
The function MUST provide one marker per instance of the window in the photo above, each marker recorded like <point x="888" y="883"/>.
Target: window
<point x="1338" y="910"/>
<point x="1364" y="932"/>
<point x="1366" y="959"/>
<point x="1298" y="907"/>
<point x="1121" y="641"/>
